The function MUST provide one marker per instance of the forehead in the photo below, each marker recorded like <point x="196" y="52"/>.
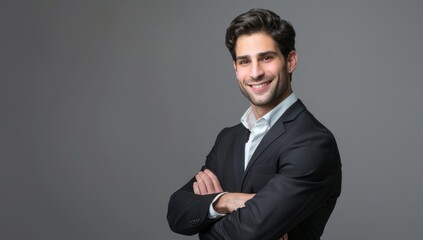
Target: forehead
<point x="253" y="44"/>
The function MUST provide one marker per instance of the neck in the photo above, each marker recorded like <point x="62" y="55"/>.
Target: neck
<point x="260" y="111"/>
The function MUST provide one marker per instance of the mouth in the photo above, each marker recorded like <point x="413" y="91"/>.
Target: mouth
<point x="260" y="86"/>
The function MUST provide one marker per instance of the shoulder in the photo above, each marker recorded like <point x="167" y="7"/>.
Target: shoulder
<point x="233" y="130"/>
<point x="231" y="134"/>
<point x="300" y="120"/>
<point x="306" y="122"/>
<point x="309" y="138"/>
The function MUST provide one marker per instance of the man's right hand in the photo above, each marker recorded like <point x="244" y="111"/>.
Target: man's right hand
<point x="229" y="202"/>
<point x="206" y="183"/>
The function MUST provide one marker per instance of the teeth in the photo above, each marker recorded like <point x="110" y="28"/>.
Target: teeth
<point x="260" y="85"/>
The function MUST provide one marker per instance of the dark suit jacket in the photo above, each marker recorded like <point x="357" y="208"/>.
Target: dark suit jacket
<point x="295" y="173"/>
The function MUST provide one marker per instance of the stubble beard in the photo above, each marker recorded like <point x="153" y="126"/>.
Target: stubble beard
<point x="271" y="96"/>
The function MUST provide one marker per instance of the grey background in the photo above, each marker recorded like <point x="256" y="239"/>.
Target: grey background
<point x="107" y="107"/>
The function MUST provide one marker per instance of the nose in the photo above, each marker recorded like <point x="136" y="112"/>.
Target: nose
<point x="256" y="70"/>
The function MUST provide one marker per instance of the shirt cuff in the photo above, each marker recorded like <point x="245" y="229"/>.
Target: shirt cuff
<point x="212" y="213"/>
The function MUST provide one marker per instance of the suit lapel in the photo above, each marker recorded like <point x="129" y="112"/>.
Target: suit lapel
<point x="239" y="156"/>
<point x="277" y="130"/>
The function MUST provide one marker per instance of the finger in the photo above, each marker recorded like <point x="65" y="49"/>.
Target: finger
<point x="251" y="195"/>
<point x="195" y="188"/>
<point x="201" y="185"/>
<point x="214" y="179"/>
<point x="284" y="237"/>
<point x="208" y="182"/>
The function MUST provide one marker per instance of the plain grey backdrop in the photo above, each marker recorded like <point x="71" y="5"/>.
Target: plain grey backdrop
<point x="107" y="107"/>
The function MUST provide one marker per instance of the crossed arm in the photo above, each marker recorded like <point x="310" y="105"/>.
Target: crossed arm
<point x="306" y="185"/>
<point x="207" y="183"/>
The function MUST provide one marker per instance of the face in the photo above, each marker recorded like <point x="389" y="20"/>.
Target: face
<point x="262" y="72"/>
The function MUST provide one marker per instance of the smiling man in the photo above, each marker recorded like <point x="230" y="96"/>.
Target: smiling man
<point x="262" y="72"/>
<point x="277" y="174"/>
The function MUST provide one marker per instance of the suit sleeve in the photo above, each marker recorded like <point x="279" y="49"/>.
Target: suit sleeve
<point x="308" y="172"/>
<point x="187" y="211"/>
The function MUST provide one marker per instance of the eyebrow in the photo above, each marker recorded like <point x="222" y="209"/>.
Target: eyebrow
<point x="261" y="54"/>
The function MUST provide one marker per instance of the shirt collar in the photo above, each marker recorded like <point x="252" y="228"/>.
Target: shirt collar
<point x="249" y="121"/>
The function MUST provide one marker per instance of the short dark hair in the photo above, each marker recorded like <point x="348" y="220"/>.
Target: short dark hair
<point x="261" y="20"/>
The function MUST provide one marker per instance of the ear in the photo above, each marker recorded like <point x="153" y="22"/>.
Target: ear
<point x="234" y="65"/>
<point x="291" y="61"/>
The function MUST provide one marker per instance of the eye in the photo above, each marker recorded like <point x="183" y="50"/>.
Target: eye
<point x="266" y="58"/>
<point x="243" y="62"/>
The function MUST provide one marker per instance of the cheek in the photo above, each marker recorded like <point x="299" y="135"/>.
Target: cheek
<point x="240" y="76"/>
<point x="275" y="70"/>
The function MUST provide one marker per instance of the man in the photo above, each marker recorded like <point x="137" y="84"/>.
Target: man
<point x="277" y="174"/>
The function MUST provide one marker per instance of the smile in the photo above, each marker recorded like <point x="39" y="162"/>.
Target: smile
<point x="260" y="86"/>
